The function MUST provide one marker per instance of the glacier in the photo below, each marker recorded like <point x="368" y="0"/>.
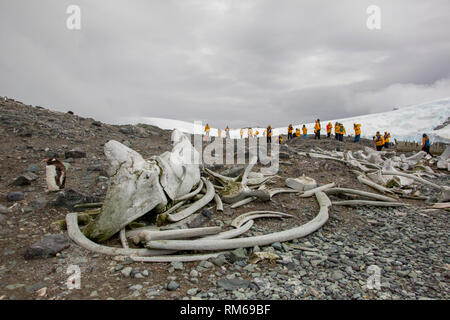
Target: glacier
<point x="406" y="123"/>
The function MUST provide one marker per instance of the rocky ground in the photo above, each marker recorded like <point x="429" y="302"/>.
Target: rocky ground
<point x="408" y="246"/>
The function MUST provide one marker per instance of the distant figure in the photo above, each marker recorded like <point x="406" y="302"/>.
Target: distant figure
<point x="357" y="128"/>
<point x="227" y="131"/>
<point x="250" y="132"/>
<point x="426" y="144"/>
<point x="317" y="129"/>
<point x="329" y="128"/>
<point x="341" y="132"/>
<point x="280" y="139"/>
<point x="290" y="130"/>
<point x="297" y="133"/>
<point x="336" y="130"/>
<point x="305" y="131"/>
<point x="379" y="141"/>
<point x="219" y="133"/>
<point x="242" y="133"/>
<point x="207" y="128"/>
<point x="269" y="134"/>
<point x="387" y="135"/>
<point x="256" y="133"/>
<point x="55" y="173"/>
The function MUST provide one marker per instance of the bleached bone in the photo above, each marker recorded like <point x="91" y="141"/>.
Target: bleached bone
<point x="207" y="198"/>
<point x="243" y="202"/>
<point x="219" y="204"/>
<point x="262" y="240"/>
<point x="78" y="237"/>
<point x="360" y="193"/>
<point x="193" y="193"/>
<point x="239" y="221"/>
<point x="233" y="233"/>
<point x="388" y="166"/>
<point x="312" y="192"/>
<point x="178" y="234"/>
<point x="134" y="190"/>
<point x="374" y="185"/>
<point x="123" y="239"/>
<point x="236" y="189"/>
<point x="395" y="173"/>
<point x="301" y="183"/>
<point x="368" y="203"/>
<point x="138" y="186"/>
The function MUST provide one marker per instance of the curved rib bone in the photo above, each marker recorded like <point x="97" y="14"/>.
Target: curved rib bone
<point x="411" y="176"/>
<point x="123" y="239"/>
<point x="178" y="258"/>
<point x="312" y="192"/>
<point x="239" y="221"/>
<point x="78" y="237"/>
<point x="233" y="233"/>
<point x="192" y="194"/>
<point x="148" y="235"/>
<point x="219" y="204"/>
<point x="368" y="203"/>
<point x="374" y="185"/>
<point x="287" y="235"/>
<point x="360" y="193"/>
<point x="196" y="205"/>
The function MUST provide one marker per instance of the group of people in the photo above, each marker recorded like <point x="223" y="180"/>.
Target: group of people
<point x="339" y="132"/>
<point x="382" y="141"/>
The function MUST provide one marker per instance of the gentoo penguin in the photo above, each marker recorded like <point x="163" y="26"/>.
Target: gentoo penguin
<point x="55" y="173"/>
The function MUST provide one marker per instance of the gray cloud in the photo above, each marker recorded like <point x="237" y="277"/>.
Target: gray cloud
<point x="225" y="62"/>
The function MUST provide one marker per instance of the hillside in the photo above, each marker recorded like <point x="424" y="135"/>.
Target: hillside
<point x="404" y="124"/>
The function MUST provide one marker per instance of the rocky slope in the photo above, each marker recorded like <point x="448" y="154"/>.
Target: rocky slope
<point x="409" y="245"/>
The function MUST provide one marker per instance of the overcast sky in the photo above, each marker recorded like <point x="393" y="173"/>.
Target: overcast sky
<point x="235" y="62"/>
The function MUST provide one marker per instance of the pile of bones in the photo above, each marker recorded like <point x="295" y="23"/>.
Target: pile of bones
<point x="172" y="191"/>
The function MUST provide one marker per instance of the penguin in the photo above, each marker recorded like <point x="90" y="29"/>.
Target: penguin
<point x="55" y="174"/>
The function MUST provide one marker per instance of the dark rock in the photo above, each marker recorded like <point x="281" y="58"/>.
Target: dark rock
<point x="207" y="213"/>
<point x="24" y="179"/>
<point x="15" y="196"/>
<point x="39" y="204"/>
<point x="68" y="198"/>
<point x="96" y="124"/>
<point x="49" y="246"/>
<point x="34" y="168"/>
<point x="237" y="255"/>
<point x="233" y="284"/>
<point x="75" y="154"/>
<point x="51" y="154"/>
<point x="172" y="286"/>
<point x="35" y="287"/>
<point x="69" y="112"/>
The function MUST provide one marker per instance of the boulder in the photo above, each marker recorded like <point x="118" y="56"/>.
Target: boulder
<point x="49" y="246"/>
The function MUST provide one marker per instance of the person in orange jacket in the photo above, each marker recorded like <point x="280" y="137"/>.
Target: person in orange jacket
<point x="241" y="133"/>
<point x="227" y="132"/>
<point x="426" y="144"/>
<point x="379" y="141"/>
<point x="357" y="128"/>
<point x="290" y="131"/>
<point x="336" y="130"/>
<point x="387" y="136"/>
<point x="207" y="128"/>
<point x="297" y="132"/>
<point x="329" y="127"/>
<point x="341" y="132"/>
<point x="280" y="139"/>
<point x="269" y="134"/>
<point x="305" y="131"/>
<point x="317" y="129"/>
<point x="250" y="132"/>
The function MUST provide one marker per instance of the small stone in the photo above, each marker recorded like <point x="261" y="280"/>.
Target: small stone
<point x="75" y="154"/>
<point x="277" y="246"/>
<point x="172" y="286"/>
<point x="177" y="265"/>
<point x="126" y="272"/>
<point x="238" y="254"/>
<point x="219" y="261"/>
<point x="192" y="291"/>
<point x="193" y="273"/>
<point x="135" y="287"/>
<point x="4" y="210"/>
